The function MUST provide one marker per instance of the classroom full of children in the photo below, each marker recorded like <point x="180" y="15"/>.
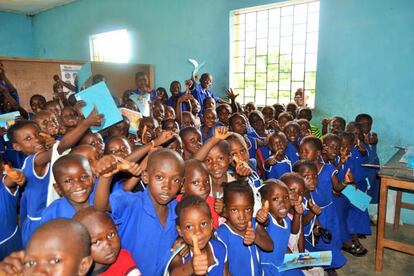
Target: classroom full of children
<point x="206" y="186"/>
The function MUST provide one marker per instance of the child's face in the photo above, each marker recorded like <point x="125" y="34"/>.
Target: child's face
<point x="224" y="114"/>
<point x="169" y="113"/>
<point x="47" y="255"/>
<point x="210" y="118"/>
<point x="305" y="114"/>
<point x="210" y="103"/>
<point x="142" y="82"/>
<point x="257" y="122"/>
<point x="158" y="112"/>
<point x="172" y="125"/>
<point x="333" y="148"/>
<point x="37" y="104"/>
<point x="206" y="81"/>
<point x="192" y="142"/>
<point x="238" y="211"/>
<point x="196" y="106"/>
<point x="48" y="123"/>
<point x="54" y="108"/>
<point x="151" y="125"/>
<point x="238" y="150"/>
<point x="279" y="202"/>
<point x="292" y="133"/>
<point x="282" y="121"/>
<point x="239" y="125"/>
<point x="187" y="121"/>
<point x="96" y="141"/>
<point x="131" y="105"/>
<point x="28" y="140"/>
<point x="75" y="182"/>
<point x="337" y="127"/>
<point x="105" y="243"/>
<point x="119" y="129"/>
<point x="347" y="145"/>
<point x="308" y="152"/>
<point x="118" y="147"/>
<point x="195" y="221"/>
<point x="278" y="144"/>
<point x="217" y="162"/>
<point x="366" y="125"/>
<point x="295" y="191"/>
<point x="196" y="182"/>
<point x="69" y="117"/>
<point x="304" y="129"/>
<point x="311" y="179"/>
<point x="250" y="107"/>
<point x="175" y="88"/>
<point x="268" y="114"/>
<point x="164" y="180"/>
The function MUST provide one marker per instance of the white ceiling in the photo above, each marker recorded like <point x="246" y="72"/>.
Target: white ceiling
<point x="30" y="7"/>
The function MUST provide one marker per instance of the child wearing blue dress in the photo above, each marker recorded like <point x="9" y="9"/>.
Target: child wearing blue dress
<point x="146" y="220"/>
<point x="25" y="137"/>
<point x="208" y="256"/>
<point x="210" y="121"/>
<point x="310" y="150"/>
<point x="240" y="233"/>
<point x="278" y="163"/>
<point x="10" y="237"/>
<point x="292" y="132"/>
<point x="238" y="124"/>
<point x="273" y="214"/>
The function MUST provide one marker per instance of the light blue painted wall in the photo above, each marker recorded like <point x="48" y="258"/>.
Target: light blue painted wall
<point x="365" y="63"/>
<point x="16" y="35"/>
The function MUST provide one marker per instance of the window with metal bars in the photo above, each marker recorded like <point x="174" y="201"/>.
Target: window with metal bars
<point x="110" y="46"/>
<point x="273" y="52"/>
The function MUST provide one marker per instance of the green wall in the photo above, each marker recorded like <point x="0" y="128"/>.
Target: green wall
<point x="16" y="34"/>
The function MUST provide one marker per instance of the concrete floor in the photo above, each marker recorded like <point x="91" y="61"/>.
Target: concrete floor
<point x="395" y="263"/>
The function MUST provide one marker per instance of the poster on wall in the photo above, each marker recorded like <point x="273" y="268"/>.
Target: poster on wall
<point x="68" y="74"/>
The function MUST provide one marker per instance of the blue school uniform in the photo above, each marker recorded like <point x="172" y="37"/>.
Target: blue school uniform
<point x="34" y="198"/>
<point x="252" y="145"/>
<point x="373" y="177"/>
<point x="141" y="231"/>
<point x="200" y="95"/>
<point x="270" y="261"/>
<point x="10" y="237"/>
<point x="280" y="168"/>
<point x="218" y="249"/>
<point x="242" y="259"/>
<point x="292" y="153"/>
<point x="210" y="133"/>
<point x="328" y="218"/>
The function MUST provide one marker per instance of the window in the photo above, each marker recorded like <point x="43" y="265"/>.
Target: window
<point x="111" y="46"/>
<point x="273" y="52"/>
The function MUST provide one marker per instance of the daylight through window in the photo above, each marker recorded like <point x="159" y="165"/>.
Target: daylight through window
<point x="110" y="47"/>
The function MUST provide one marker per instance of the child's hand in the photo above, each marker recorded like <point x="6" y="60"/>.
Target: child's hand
<point x="94" y="119"/>
<point x="164" y="137"/>
<point x="199" y="260"/>
<point x="298" y="207"/>
<point x="221" y="133"/>
<point x="271" y="160"/>
<point x="262" y="216"/>
<point x="230" y="94"/>
<point x="135" y="169"/>
<point x="314" y="208"/>
<point x="188" y="83"/>
<point x="146" y="136"/>
<point x="349" y="177"/>
<point x="15" y="175"/>
<point x="326" y="121"/>
<point x="249" y="235"/>
<point x="218" y="205"/>
<point x="274" y="124"/>
<point x="47" y="139"/>
<point x="12" y="264"/>
<point x="242" y="168"/>
<point x="359" y="145"/>
<point x="107" y="166"/>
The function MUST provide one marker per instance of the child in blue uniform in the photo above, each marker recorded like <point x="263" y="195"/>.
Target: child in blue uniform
<point x="274" y="215"/>
<point x="278" y="163"/>
<point x="146" y="220"/>
<point x="238" y="124"/>
<point x="241" y="234"/>
<point x="10" y="238"/>
<point x="191" y="138"/>
<point x="210" y="122"/>
<point x="194" y="224"/>
<point x="25" y="137"/>
<point x="327" y="182"/>
<point x="292" y="132"/>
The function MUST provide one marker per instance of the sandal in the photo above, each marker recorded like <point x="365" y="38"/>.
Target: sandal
<point x="356" y="250"/>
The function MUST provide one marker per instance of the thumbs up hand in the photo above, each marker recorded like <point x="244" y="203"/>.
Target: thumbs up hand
<point x="314" y="208"/>
<point x="200" y="259"/>
<point x="298" y="206"/>
<point x="262" y="215"/>
<point x="249" y="235"/>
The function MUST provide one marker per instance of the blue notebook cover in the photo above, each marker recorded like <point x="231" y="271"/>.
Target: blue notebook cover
<point x="298" y="260"/>
<point x="100" y="96"/>
<point x="358" y="198"/>
<point x="84" y="74"/>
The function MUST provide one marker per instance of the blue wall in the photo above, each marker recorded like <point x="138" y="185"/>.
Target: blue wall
<point x="16" y="35"/>
<point x="365" y="62"/>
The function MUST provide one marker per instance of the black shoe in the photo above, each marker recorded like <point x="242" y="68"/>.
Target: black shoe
<point x="356" y="250"/>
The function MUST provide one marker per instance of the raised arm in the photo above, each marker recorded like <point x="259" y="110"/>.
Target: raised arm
<point x="220" y="133"/>
<point x="13" y="178"/>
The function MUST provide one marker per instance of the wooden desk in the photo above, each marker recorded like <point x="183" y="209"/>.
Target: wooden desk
<point x="396" y="179"/>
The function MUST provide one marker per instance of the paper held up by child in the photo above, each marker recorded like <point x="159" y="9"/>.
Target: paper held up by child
<point x="8" y="119"/>
<point x="197" y="66"/>
<point x="134" y="119"/>
<point x="98" y="95"/>
<point x="357" y="198"/>
<point x="299" y="260"/>
<point x="142" y="102"/>
<point x="84" y="74"/>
